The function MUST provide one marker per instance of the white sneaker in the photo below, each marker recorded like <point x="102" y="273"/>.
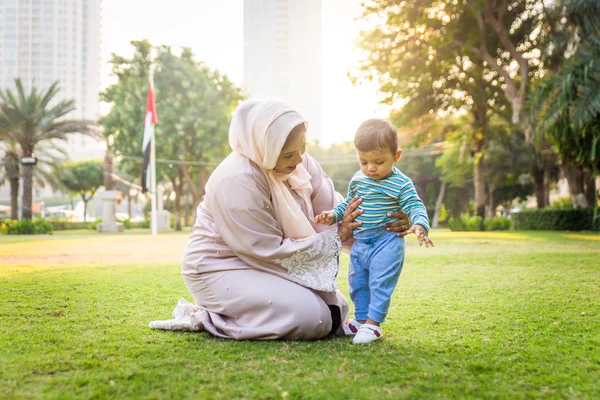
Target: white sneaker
<point x="352" y="327"/>
<point x="367" y="333"/>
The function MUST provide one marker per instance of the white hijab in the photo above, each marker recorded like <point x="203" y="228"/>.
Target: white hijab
<point x="258" y="131"/>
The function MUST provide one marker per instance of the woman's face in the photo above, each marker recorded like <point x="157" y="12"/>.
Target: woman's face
<point x="291" y="153"/>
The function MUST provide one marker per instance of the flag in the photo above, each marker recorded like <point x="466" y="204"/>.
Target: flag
<point x="151" y="118"/>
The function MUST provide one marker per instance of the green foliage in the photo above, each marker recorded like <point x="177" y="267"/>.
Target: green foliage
<point x="94" y="224"/>
<point x="127" y="224"/>
<point x="566" y="105"/>
<point x="194" y="105"/>
<point x="26" y="227"/>
<point x="577" y="219"/>
<point x="145" y="224"/>
<point x="33" y="118"/>
<point x="68" y="226"/>
<point x="466" y="223"/>
<point x="562" y="203"/>
<point x="470" y="223"/>
<point x="497" y="224"/>
<point x="82" y="177"/>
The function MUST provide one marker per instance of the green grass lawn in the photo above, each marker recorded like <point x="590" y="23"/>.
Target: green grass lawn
<point x="482" y="315"/>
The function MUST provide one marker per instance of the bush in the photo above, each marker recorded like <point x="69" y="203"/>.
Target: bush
<point x="26" y="227"/>
<point x="563" y="203"/>
<point x="497" y="224"/>
<point x="94" y="224"/>
<point x="145" y="224"/>
<point x="577" y="219"/>
<point x="466" y="222"/>
<point x="66" y="225"/>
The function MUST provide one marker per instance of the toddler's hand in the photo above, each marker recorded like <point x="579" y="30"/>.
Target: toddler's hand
<point x="421" y="235"/>
<point x="326" y="218"/>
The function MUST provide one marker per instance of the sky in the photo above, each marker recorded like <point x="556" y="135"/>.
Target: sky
<point x="214" y="31"/>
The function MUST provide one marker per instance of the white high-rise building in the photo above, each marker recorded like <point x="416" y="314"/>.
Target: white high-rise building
<point x="43" y="41"/>
<point x="282" y="55"/>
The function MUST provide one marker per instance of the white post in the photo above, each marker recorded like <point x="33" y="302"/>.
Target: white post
<point x="153" y="183"/>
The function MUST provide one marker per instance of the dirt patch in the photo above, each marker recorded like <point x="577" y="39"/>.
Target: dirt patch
<point x="96" y="250"/>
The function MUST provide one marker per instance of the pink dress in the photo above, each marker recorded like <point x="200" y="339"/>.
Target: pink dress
<point x="247" y="281"/>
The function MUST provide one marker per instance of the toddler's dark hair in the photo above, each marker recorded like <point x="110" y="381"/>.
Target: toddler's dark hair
<point x="376" y="135"/>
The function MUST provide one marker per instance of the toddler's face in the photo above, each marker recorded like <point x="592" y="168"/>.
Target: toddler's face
<point x="377" y="164"/>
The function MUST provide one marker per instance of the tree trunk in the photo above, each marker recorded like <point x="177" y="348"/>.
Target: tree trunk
<point x="537" y="174"/>
<point x="197" y="191"/>
<point x="590" y="187"/>
<point x="491" y="207"/>
<point x="574" y="177"/>
<point x="438" y="205"/>
<point x="479" y="182"/>
<point x="177" y="186"/>
<point x="84" y="208"/>
<point x="14" y="199"/>
<point x="547" y="182"/>
<point x="129" y="204"/>
<point x="109" y="183"/>
<point x="27" y="202"/>
<point x="186" y="212"/>
<point x="421" y="188"/>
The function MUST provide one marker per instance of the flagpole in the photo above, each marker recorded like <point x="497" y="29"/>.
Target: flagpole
<point x="153" y="190"/>
<point x="153" y="183"/>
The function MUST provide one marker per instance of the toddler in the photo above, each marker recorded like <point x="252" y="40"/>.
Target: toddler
<point x="377" y="255"/>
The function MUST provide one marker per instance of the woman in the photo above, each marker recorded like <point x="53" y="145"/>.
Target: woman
<point x="256" y="264"/>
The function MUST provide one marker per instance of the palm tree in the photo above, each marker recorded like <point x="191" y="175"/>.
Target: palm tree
<point x="11" y="173"/>
<point x="10" y="170"/>
<point x="34" y="118"/>
<point x="566" y="105"/>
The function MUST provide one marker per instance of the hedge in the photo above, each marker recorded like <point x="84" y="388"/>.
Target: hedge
<point x="577" y="219"/>
<point x="26" y="227"/>
<point x="67" y="226"/>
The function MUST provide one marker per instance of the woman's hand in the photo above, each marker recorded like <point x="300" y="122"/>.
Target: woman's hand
<point x="401" y="226"/>
<point x="347" y="225"/>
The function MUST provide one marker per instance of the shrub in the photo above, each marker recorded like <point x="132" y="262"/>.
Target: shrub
<point x="26" y="227"/>
<point x="145" y="224"/>
<point x="66" y="225"/>
<point x="497" y="224"/>
<point x="94" y="224"/>
<point x="126" y="223"/>
<point x="466" y="222"/>
<point x="562" y="204"/>
<point x="577" y="219"/>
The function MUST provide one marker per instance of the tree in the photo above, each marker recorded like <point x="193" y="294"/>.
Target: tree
<point x="33" y="119"/>
<point x="509" y="160"/>
<point x="419" y="59"/>
<point x="566" y="105"/>
<point x="42" y="174"/>
<point x="194" y="104"/>
<point x="12" y="173"/>
<point x="446" y="54"/>
<point x="82" y="178"/>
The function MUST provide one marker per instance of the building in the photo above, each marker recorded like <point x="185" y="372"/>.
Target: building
<point x="282" y="55"/>
<point x="43" y="41"/>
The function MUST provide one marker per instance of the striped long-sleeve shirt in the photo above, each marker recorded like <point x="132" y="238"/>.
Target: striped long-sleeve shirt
<point x="396" y="192"/>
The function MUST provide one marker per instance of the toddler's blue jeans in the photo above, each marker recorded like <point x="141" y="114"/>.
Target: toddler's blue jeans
<point x="376" y="260"/>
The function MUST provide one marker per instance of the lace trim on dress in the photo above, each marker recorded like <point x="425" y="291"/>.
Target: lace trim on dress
<point x="316" y="267"/>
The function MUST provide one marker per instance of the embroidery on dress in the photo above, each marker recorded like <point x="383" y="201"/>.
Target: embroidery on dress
<point x="316" y="267"/>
